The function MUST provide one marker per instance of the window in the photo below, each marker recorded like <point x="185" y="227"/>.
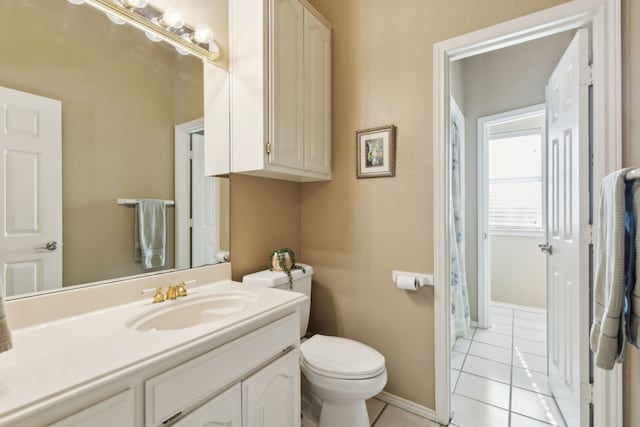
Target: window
<point x="515" y="181"/>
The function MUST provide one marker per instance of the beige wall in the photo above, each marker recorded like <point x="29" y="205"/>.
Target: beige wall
<point x="518" y="271"/>
<point x="265" y="215"/>
<point x="121" y="96"/>
<point x="354" y="232"/>
<point x="493" y="83"/>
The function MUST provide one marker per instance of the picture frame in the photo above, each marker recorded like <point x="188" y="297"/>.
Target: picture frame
<point x="376" y="152"/>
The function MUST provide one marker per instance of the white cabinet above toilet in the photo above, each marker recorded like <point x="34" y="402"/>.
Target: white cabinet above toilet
<point x="280" y="73"/>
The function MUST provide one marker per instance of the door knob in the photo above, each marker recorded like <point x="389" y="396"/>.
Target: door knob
<point x="49" y="246"/>
<point x="546" y="248"/>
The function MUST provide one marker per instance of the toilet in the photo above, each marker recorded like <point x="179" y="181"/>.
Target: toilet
<point x="341" y="373"/>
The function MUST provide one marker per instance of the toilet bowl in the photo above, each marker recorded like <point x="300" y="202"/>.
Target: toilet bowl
<point x="341" y="373"/>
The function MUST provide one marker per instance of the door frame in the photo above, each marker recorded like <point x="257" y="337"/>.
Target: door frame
<point x="484" y="258"/>
<point x="182" y="179"/>
<point x="603" y="17"/>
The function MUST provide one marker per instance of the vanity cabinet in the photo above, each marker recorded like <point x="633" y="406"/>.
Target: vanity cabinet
<point x="224" y="410"/>
<point x="280" y="71"/>
<point x="250" y="380"/>
<point x="271" y="397"/>
<point x="262" y="354"/>
<point x="117" y="410"/>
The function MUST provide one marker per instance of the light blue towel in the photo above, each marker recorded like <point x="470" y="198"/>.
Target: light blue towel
<point x="150" y="233"/>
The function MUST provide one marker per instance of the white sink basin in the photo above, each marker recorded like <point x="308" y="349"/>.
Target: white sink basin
<point x="193" y="310"/>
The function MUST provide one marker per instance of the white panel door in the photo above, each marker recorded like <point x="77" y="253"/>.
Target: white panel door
<point x="567" y="230"/>
<point x="204" y="208"/>
<point x="271" y="397"/>
<point x="222" y="411"/>
<point x="30" y="192"/>
<point x="317" y="94"/>
<point x="287" y="80"/>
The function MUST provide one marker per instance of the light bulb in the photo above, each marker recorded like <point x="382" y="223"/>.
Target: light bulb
<point x="172" y="18"/>
<point x="137" y="4"/>
<point x="115" y="19"/>
<point x="152" y="36"/>
<point x="203" y="34"/>
<point x="76" y="1"/>
<point x="182" y="51"/>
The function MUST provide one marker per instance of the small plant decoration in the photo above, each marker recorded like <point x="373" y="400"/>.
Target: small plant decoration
<point x="284" y="259"/>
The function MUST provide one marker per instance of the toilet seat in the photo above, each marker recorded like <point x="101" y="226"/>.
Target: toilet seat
<point x="341" y="358"/>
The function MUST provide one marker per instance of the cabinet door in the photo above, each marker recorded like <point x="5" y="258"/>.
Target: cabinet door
<point x="317" y="94"/>
<point x="117" y="410"/>
<point x="287" y="80"/>
<point x="271" y="397"/>
<point x="222" y="411"/>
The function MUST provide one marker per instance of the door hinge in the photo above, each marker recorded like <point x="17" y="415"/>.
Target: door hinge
<point x="268" y="146"/>
<point x="190" y="222"/>
<point x="190" y="154"/>
<point x="586" y="392"/>
<point x="586" y="76"/>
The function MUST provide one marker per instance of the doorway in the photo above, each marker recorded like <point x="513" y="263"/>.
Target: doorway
<point x="202" y="218"/>
<point x="600" y="18"/>
<point x="495" y="365"/>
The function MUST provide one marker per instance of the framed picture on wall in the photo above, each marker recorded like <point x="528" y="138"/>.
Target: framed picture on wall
<point x="376" y="152"/>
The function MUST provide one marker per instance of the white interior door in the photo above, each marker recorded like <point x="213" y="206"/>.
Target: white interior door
<point x="30" y="192"/>
<point x="204" y="208"/>
<point x="567" y="231"/>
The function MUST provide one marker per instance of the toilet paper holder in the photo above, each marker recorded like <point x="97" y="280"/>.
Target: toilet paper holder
<point x="421" y="279"/>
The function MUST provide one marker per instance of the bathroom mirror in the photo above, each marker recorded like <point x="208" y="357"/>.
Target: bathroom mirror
<point x="123" y="100"/>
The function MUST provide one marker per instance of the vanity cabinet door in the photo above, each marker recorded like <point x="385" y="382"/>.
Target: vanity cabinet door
<point x="222" y="411"/>
<point x="117" y="410"/>
<point x="271" y="397"/>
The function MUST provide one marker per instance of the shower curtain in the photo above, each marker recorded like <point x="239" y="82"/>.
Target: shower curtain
<point x="460" y="319"/>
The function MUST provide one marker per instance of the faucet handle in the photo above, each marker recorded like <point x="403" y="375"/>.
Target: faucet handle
<point x="182" y="289"/>
<point x="158" y="296"/>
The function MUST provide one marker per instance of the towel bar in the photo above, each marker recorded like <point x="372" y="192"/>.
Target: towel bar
<point x="135" y="202"/>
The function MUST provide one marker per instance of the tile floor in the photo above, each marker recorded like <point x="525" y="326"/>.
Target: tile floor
<point x="499" y="374"/>
<point x="382" y="414"/>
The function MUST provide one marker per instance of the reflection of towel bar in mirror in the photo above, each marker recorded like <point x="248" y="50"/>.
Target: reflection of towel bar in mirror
<point x="135" y="202"/>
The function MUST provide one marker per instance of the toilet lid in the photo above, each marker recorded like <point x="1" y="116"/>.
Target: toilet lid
<point x="341" y="358"/>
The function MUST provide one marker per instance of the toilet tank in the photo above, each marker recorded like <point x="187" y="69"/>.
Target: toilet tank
<point x="278" y="279"/>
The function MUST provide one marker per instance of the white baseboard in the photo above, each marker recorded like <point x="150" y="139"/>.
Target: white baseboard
<point x="474" y="324"/>
<point x="407" y="405"/>
<point x="519" y="307"/>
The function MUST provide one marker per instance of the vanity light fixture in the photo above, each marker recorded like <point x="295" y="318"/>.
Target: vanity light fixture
<point x="171" y="18"/>
<point x="160" y="25"/>
<point x="203" y="34"/>
<point x="134" y="4"/>
<point x="153" y="37"/>
<point x="115" y="19"/>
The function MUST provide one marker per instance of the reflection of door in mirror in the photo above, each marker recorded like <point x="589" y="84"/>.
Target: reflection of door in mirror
<point x="202" y="219"/>
<point x="30" y="192"/>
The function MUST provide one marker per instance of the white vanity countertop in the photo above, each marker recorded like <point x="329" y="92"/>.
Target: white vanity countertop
<point x="49" y="360"/>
